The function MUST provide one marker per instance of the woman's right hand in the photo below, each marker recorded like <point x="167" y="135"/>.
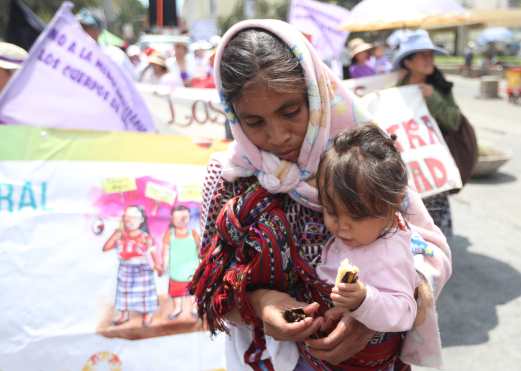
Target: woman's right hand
<point x="346" y="339"/>
<point x="269" y="306"/>
<point x="426" y="90"/>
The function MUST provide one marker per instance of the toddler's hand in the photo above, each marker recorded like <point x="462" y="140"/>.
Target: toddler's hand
<point x="348" y="295"/>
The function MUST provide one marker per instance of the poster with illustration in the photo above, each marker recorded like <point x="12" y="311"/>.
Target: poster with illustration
<point x="98" y="241"/>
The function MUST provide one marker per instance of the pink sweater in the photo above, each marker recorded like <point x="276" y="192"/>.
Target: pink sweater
<point x="387" y="268"/>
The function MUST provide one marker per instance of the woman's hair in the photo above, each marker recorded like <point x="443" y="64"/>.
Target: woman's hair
<point x="256" y="54"/>
<point x="436" y="78"/>
<point x="365" y="172"/>
<point x="144" y="225"/>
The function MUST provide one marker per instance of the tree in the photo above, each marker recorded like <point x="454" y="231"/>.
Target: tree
<point x="44" y="9"/>
<point x="129" y="12"/>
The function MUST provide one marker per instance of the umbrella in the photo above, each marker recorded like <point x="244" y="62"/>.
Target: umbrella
<point x="374" y="15"/>
<point x="494" y="34"/>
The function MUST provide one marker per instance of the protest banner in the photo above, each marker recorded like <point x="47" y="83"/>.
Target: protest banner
<point x="68" y="82"/>
<point x="90" y="220"/>
<point x="365" y="85"/>
<point x="186" y="111"/>
<point x="402" y="111"/>
<point x="321" y="21"/>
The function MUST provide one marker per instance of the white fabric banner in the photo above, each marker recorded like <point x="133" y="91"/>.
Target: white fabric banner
<point x="99" y="228"/>
<point x="68" y="82"/>
<point x="365" y="85"/>
<point x="402" y="111"/>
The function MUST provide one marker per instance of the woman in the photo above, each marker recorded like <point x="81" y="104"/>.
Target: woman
<point x="284" y="106"/>
<point x="360" y="59"/>
<point x="157" y="73"/>
<point x="416" y="57"/>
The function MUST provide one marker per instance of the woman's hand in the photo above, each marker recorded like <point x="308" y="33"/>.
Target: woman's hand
<point x="347" y="338"/>
<point x="270" y="304"/>
<point x="425" y="300"/>
<point x="426" y="90"/>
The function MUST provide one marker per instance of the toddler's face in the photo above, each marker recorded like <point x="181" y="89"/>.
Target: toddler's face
<point x="353" y="231"/>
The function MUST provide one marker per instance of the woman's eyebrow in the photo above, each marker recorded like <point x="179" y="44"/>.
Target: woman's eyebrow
<point x="289" y="103"/>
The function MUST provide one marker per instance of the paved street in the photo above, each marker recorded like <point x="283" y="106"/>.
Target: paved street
<point x="480" y="309"/>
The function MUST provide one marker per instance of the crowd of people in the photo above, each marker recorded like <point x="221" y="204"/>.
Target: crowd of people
<point x="186" y="64"/>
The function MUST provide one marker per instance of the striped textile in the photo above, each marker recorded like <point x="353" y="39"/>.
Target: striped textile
<point x="136" y="289"/>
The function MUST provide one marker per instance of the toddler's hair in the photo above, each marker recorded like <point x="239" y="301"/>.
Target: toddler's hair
<point x="365" y="171"/>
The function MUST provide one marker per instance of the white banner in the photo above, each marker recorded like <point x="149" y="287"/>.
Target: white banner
<point x="68" y="82"/>
<point x="98" y="238"/>
<point x="186" y="111"/>
<point x="402" y="111"/>
<point x="365" y="85"/>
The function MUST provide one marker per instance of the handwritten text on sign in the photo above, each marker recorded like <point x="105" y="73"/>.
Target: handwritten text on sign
<point x="402" y="111"/>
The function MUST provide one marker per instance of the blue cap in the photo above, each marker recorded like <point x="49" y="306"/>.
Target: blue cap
<point x="87" y="18"/>
<point x="413" y="42"/>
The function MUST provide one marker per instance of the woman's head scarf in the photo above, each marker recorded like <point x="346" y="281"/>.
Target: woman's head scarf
<point x="331" y="110"/>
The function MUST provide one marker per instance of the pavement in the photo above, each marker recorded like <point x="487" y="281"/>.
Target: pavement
<point x="480" y="308"/>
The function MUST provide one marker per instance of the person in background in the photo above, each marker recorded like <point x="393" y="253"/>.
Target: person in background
<point x="416" y="57"/>
<point x="11" y="59"/>
<point x="182" y="61"/>
<point x="469" y="59"/>
<point x="360" y="52"/>
<point x="94" y="26"/>
<point x="139" y="63"/>
<point x="157" y="73"/>
<point x="201" y="68"/>
<point x="379" y="61"/>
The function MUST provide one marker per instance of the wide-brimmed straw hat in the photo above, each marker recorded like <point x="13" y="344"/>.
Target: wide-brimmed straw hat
<point x="357" y="46"/>
<point x="414" y="42"/>
<point x="156" y="58"/>
<point x="11" y="56"/>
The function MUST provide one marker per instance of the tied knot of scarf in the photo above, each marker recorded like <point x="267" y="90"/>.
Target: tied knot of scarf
<point x="252" y="242"/>
<point x="278" y="176"/>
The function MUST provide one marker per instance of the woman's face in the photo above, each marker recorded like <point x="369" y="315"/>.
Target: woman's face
<point x="362" y="57"/>
<point x="158" y="70"/>
<point x="275" y="122"/>
<point x="180" y="51"/>
<point x="421" y="63"/>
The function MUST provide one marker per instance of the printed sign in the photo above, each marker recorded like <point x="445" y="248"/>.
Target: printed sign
<point x="69" y="82"/>
<point x="402" y="111"/>
<point x="97" y="249"/>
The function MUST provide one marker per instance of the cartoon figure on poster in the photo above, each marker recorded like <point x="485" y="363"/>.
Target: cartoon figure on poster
<point x="181" y="257"/>
<point x="150" y="223"/>
<point x="136" y="287"/>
